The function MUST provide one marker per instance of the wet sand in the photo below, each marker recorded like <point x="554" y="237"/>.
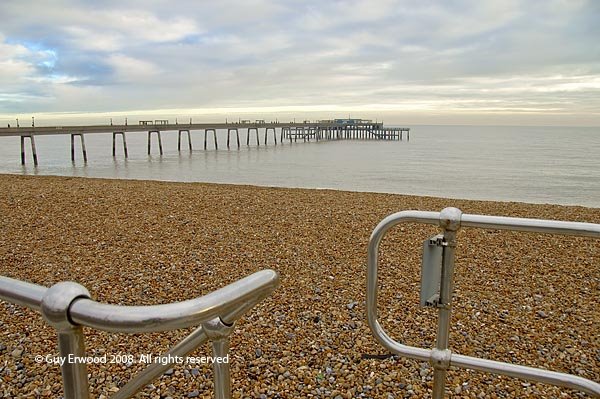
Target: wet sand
<point x="521" y="298"/>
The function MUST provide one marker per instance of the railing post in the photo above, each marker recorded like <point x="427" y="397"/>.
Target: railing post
<point x="218" y="333"/>
<point x="440" y="356"/>
<point x="55" y="310"/>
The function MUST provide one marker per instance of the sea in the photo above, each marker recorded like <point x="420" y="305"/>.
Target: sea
<point x="554" y="165"/>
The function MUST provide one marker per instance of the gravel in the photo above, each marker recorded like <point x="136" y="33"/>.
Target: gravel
<point x="519" y="297"/>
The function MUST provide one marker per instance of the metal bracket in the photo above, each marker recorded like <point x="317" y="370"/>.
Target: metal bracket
<point x="431" y="270"/>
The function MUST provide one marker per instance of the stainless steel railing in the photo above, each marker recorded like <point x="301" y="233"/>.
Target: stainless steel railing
<point x="440" y="275"/>
<point x="68" y="306"/>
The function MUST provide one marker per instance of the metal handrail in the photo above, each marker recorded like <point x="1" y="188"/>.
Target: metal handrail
<point x="67" y="307"/>
<point x="219" y="303"/>
<point x="441" y="358"/>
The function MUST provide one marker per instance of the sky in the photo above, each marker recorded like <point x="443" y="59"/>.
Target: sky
<point x="531" y="62"/>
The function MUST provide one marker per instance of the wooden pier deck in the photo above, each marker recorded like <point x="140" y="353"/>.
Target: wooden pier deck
<point x="288" y="132"/>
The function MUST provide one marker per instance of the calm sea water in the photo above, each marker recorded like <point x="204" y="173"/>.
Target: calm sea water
<point x="558" y="165"/>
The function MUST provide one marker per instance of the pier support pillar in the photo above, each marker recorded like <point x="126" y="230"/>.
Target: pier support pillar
<point x="33" y="150"/>
<point x="189" y="135"/>
<point x="237" y="135"/>
<point x="124" y="143"/>
<point x="250" y="129"/>
<point x="160" y="148"/>
<point x="214" y="131"/>
<point x="82" y="146"/>
<point x="274" y="134"/>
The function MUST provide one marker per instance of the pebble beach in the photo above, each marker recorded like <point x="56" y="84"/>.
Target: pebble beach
<point x="523" y="298"/>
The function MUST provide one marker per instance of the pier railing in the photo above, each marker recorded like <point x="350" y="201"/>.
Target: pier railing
<point x="67" y="306"/>
<point x="437" y="272"/>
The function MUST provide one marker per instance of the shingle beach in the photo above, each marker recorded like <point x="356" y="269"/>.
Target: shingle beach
<point x="522" y="298"/>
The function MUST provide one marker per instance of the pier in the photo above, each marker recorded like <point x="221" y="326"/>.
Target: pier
<point x="289" y="132"/>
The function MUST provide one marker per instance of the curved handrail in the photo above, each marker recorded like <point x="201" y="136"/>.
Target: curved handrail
<point x="250" y="289"/>
<point x="224" y="302"/>
<point x="372" y="255"/>
<point x="485" y="222"/>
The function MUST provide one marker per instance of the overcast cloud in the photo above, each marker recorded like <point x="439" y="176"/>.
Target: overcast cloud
<point x="407" y="61"/>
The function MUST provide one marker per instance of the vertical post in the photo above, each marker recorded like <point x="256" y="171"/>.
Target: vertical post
<point x="55" y="310"/>
<point x="33" y="151"/>
<point x="72" y="147"/>
<point x="450" y="223"/>
<point x="71" y="341"/>
<point x="218" y="332"/>
<point x="179" y="139"/>
<point x="237" y="134"/>
<point x="228" y="132"/>
<point x="205" y="134"/>
<point x="124" y="144"/>
<point x="160" y="148"/>
<point x="215" y="137"/>
<point x="248" y="137"/>
<point x="221" y="369"/>
<point x="22" y="150"/>
<point x="257" y="140"/>
<point x="83" y="150"/>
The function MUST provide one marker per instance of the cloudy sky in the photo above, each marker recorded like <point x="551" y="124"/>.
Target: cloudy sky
<point x="471" y="62"/>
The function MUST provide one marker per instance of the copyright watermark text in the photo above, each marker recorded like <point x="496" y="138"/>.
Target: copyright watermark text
<point x="129" y="359"/>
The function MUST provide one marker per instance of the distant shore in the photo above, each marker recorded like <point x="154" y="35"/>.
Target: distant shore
<point x="521" y="298"/>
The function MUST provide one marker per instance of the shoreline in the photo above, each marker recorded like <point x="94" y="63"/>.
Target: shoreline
<point x="521" y="298"/>
<point x="425" y="196"/>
